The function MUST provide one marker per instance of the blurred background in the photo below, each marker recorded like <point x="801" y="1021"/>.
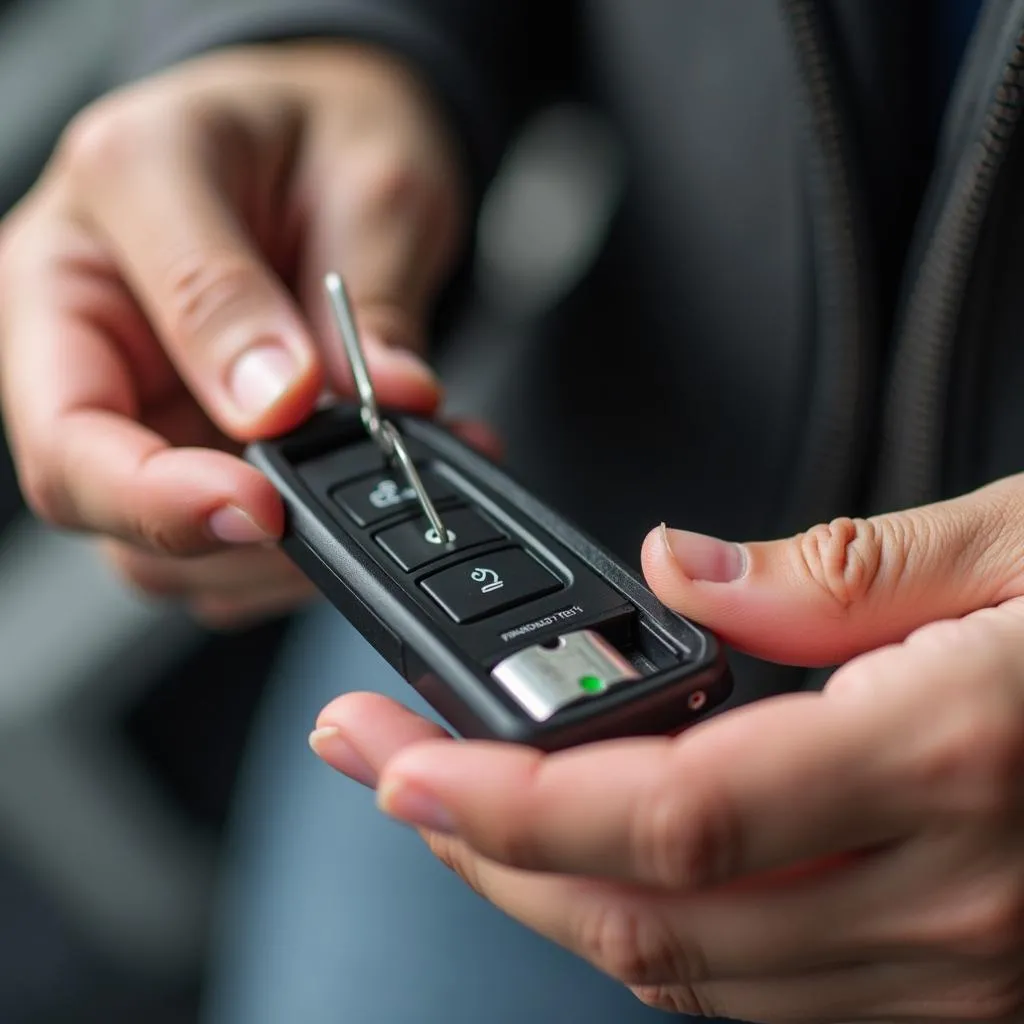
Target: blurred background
<point x="122" y="722"/>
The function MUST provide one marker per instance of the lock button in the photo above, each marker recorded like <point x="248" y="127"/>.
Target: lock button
<point x="373" y="498"/>
<point x="489" y="584"/>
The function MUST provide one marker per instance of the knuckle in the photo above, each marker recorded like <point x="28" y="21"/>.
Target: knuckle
<point x="941" y="635"/>
<point x="43" y="488"/>
<point x="457" y="858"/>
<point x="844" y="557"/>
<point x="976" y="761"/>
<point x="854" y="678"/>
<point x="686" y="1000"/>
<point x="387" y="182"/>
<point x="997" y="996"/>
<point x="983" y="541"/>
<point x="159" y="536"/>
<point x="632" y="944"/>
<point x="989" y="926"/>
<point x="209" y="290"/>
<point x="513" y="839"/>
<point x="515" y="846"/>
<point x="102" y="137"/>
<point x="677" y="843"/>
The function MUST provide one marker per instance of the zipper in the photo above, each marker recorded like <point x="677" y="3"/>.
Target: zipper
<point x="846" y="326"/>
<point x="911" y="458"/>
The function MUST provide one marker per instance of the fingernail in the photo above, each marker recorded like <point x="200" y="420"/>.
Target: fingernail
<point x="414" y="806"/>
<point x="329" y="745"/>
<point x="261" y="376"/>
<point x="706" y="559"/>
<point x="231" y="525"/>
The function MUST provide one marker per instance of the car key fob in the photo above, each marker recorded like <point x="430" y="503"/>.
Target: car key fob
<point x="507" y="619"/>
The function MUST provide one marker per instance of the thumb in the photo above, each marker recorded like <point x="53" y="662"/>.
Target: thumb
<point x="824" y="596"/>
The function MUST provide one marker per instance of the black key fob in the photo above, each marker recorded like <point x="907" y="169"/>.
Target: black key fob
<point x="512" y="624"/>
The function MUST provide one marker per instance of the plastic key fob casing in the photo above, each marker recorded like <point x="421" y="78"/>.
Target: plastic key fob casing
<point x="515" y="626"/>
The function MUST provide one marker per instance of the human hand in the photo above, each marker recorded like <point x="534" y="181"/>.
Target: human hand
<point x="848" y="856"/>
<point x="160" y="297"/>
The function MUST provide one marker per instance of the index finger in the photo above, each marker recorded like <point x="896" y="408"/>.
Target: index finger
<point x="224" y="316"/>
<point x="71" y="405"/>
<point x="785" y="782"/>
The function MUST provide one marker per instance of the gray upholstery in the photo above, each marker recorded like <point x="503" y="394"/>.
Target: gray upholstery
<point x="74" y="812"/>
<point x="54" y="56"/>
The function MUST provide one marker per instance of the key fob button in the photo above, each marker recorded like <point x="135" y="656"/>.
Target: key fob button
<point x="484" y="586"/>
<point x="376" y="497"/>
<point x="414" y="544"/>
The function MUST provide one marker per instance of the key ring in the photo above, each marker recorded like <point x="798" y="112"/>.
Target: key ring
<point x="383" y="432"/>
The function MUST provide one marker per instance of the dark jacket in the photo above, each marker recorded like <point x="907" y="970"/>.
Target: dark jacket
<point x="777" y="331"/>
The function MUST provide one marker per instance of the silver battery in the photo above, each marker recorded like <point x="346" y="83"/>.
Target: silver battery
<point x="544" y="680"/>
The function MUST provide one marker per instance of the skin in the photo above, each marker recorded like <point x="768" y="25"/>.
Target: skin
<point x="132" y="373"/>
<point x="856" y="855"/>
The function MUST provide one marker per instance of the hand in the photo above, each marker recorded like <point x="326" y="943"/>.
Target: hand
<point x="160" y="300"/>
<point x="848" y="856"/>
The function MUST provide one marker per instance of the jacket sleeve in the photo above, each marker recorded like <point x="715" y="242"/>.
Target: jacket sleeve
<point x="489" y="62"/>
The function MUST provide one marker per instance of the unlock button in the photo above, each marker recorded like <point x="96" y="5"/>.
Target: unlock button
<point x="490" y="584"/>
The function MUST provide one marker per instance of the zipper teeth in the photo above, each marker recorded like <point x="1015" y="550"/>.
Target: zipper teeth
<point x="913" y="439"/>
<point x="844" y="308"/>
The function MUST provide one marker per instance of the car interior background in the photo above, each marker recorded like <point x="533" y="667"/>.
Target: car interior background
<point x="121" y="721"/>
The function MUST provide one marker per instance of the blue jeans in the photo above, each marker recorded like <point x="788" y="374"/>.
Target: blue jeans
<point x="330" y="913"/>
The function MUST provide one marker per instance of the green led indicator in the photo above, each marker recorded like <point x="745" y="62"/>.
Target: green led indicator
<point x="592" y="685"/>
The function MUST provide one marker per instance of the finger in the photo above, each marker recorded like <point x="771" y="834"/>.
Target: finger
<point x="83" y="460"/>
<point x="114" y="477"/>
<point x="648" y="937"/>
<point x="730" y="957"/>
<point x="826" y="595"/>
<point x="229" y="614"/>
<point x="228" y="323"/>
<point x="785" y="781"/>
<point x="779" y="784"/>
<point x="480" y="436"/>
<point x="881" y="992"/>
<point x="254" y="572"/>
<point x="359" y="733"/>
<point x="73" y="403"/>
<point x="381" y="226"/>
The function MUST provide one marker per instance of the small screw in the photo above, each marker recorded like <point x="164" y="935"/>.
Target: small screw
<point x="697" y="700"/>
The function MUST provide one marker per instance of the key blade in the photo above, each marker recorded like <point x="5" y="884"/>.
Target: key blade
<point x="346" y="324"/>
<point x="383" y="432"/>
<point x="414" y="481"/>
